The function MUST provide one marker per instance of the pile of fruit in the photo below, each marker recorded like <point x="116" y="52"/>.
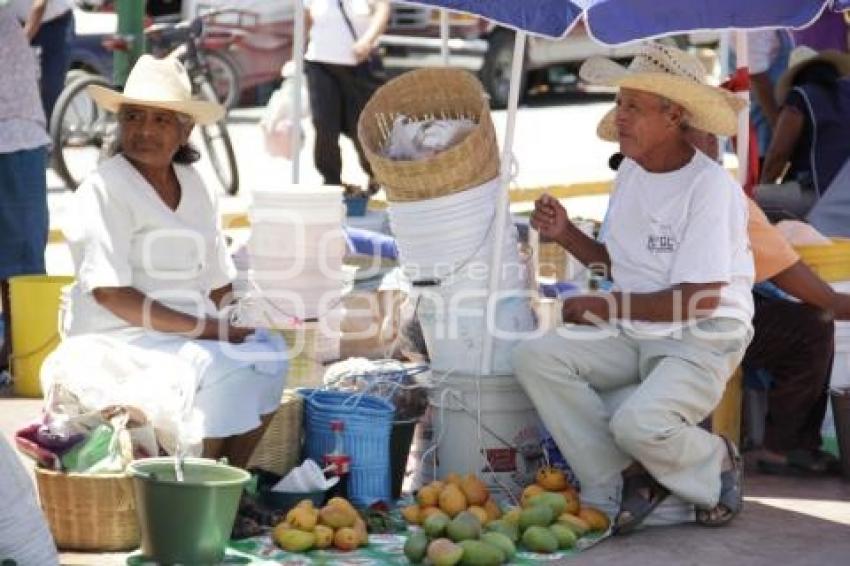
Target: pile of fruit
<point x="337" y="524"/>
<point x="462" y="524"/>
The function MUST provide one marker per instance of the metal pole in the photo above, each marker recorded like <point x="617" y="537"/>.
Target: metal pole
<point x="743" y="61"/>
<point x="131" y="24"/>
<point x="503" y="203"/>
<point x="444" y="37"/>
<point x="298" y="57"/>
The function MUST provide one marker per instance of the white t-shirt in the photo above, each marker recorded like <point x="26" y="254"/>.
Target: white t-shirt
<point x="52" y="10"/>
<point x="330" y="39"/>
<point x="122" y="234"/>
<point x="685" y="226"/>
<point x="762" y="48"/>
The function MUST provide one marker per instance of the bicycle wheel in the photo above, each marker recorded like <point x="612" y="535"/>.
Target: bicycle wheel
<point x="224" y="75"/>
<point x="219" y="148"/>
<point x="82" y="133"/>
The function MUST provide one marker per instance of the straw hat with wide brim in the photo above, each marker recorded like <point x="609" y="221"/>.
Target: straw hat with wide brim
<point x="669" y="72"/>
<point x="159" y="83"/>
<point x="804" y="56"/>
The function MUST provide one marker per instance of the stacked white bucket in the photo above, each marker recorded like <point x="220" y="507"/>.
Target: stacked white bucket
<point x="296" y="251"/>
<point x="445" y="245"/>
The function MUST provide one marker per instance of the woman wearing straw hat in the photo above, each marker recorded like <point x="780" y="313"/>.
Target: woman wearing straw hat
<point x="678" y="319"/>
<point x="811" y="131"/>
<point x="153" y="276"/>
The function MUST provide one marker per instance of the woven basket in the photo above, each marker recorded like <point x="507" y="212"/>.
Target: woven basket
<point x="427" y="94"/>
<point x="280" y="448"/>
<point x="89" y="512"/>
<point x="830" y="262"/>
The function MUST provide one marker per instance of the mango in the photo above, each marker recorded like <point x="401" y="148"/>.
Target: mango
<point x="305" y="504"/>
<point x="427" y="496"/>
<point x="539" y="539"/>
<point x="551" y="479"/>
<point x="573" y="502"/>
<point x="346" y="539"/>
<point x="435" y="525"/>
<point x="443" y="552"/>
<point x="452" y="500"/>
<point x="337" y="517"/>
<point x="293" y="540"/>
<point x="474" y="490"/>
<point x="537" y="516"/>
<point x="361" y="530"/>
<point x="555" y="501"/>
<point x="324" y="536"/>
<point x="477" y="553"/>
<point x="565" y="535"/>
<point x="464" y="527"/>
<point x="502" y="542"/>
<point x="596" y="519"/>
<point x="426" y="512"/>
<point x="412" y="514"/>
<point x="303" y="518"/>
<point x="493" y="510"/>
<point x="415" y="547"/>
<point x="453" y="478"/>
<point x="512" y="515"/>
<point x="510" y="530"/>
<point x="340" y="502"/>
<point x="480" y="514"/>
<point x="575" y="524"/>
<point x="530" y="492"/>
<point x="437" y="485"/>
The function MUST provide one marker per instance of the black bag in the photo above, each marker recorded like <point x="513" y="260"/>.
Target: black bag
<point x="372" y="69"/>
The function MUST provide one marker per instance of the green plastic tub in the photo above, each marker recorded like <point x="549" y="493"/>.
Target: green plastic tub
<point x="186" y="522"/>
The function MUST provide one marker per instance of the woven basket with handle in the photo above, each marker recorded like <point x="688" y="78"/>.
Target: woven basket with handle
<point x="280" y="448"/>
<point x="427" y="94"/>
<point x="94" y="512"/>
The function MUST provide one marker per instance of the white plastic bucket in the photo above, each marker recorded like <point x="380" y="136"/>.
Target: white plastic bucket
<point x="454" y="331"/>
<point x="510" y="431"/>
<point x="293" y="239"/>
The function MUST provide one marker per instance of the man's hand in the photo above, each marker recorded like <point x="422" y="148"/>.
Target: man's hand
<point x="236" y="334"/>
<point x="361" y="50"/>
<point x="589" y="309"/>
<point x="550" y="218"/>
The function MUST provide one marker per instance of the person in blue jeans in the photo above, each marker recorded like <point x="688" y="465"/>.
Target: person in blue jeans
<point x="49" y="26"/>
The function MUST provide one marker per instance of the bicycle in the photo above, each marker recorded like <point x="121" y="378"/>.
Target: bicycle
<point x="83" y="134"/>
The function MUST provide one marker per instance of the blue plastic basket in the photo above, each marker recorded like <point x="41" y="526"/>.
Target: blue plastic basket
<point x="368" y="422"/>
<point x="356" y="206"/>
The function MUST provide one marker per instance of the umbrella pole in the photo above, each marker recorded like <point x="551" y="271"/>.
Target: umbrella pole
<point x="743" y="61"/>
<point x="444" y="37"/>
<point x="298" y="57"/>
<point x="503" y="203"/>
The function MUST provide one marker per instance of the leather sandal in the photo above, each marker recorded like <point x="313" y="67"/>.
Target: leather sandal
<point x="636" y="505"/>
<point x="731" y="493"/>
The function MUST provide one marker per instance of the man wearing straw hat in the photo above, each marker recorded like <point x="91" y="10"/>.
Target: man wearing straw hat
<point x="679" y="317"/>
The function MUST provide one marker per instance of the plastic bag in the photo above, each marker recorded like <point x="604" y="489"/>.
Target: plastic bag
<point x="278" y="120"/>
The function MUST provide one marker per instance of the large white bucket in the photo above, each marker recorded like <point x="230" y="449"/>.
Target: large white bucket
<point x="509" y="436"/>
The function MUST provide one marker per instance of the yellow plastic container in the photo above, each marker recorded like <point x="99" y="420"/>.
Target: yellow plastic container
<point x="35" y="327"/>
<point x="830" y="262"/>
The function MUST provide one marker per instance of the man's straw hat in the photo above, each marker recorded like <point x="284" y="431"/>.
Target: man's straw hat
<point x="804" y="56"/>
<point x="160" y="83"/>
<point x="675" y="75"/>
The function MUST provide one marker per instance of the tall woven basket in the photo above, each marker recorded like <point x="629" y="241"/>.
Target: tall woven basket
<point x="430" y="94"/>
<point x="89" y="512"/>
<point x="280" y="448"/>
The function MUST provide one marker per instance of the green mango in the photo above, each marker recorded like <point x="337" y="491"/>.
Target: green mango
<point x="465" y="526"/>
<point x="501" y="542"/>
<point x="555" y="501"/>
<point x="565" y="535"/>
<point x="477" y="553"/>
<point x="539" y="539"/>
<point x="536" y="516"/>
<point x="415" y="547"/>
<point x="435" y="525"/>
<point x="501" y="526"/>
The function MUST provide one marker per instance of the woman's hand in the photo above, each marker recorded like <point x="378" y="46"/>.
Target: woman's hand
<point x="236" y="334"/>
<point x="550" y="218"/>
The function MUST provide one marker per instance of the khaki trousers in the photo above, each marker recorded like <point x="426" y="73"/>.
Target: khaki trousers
<point x="572" y="372"/>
